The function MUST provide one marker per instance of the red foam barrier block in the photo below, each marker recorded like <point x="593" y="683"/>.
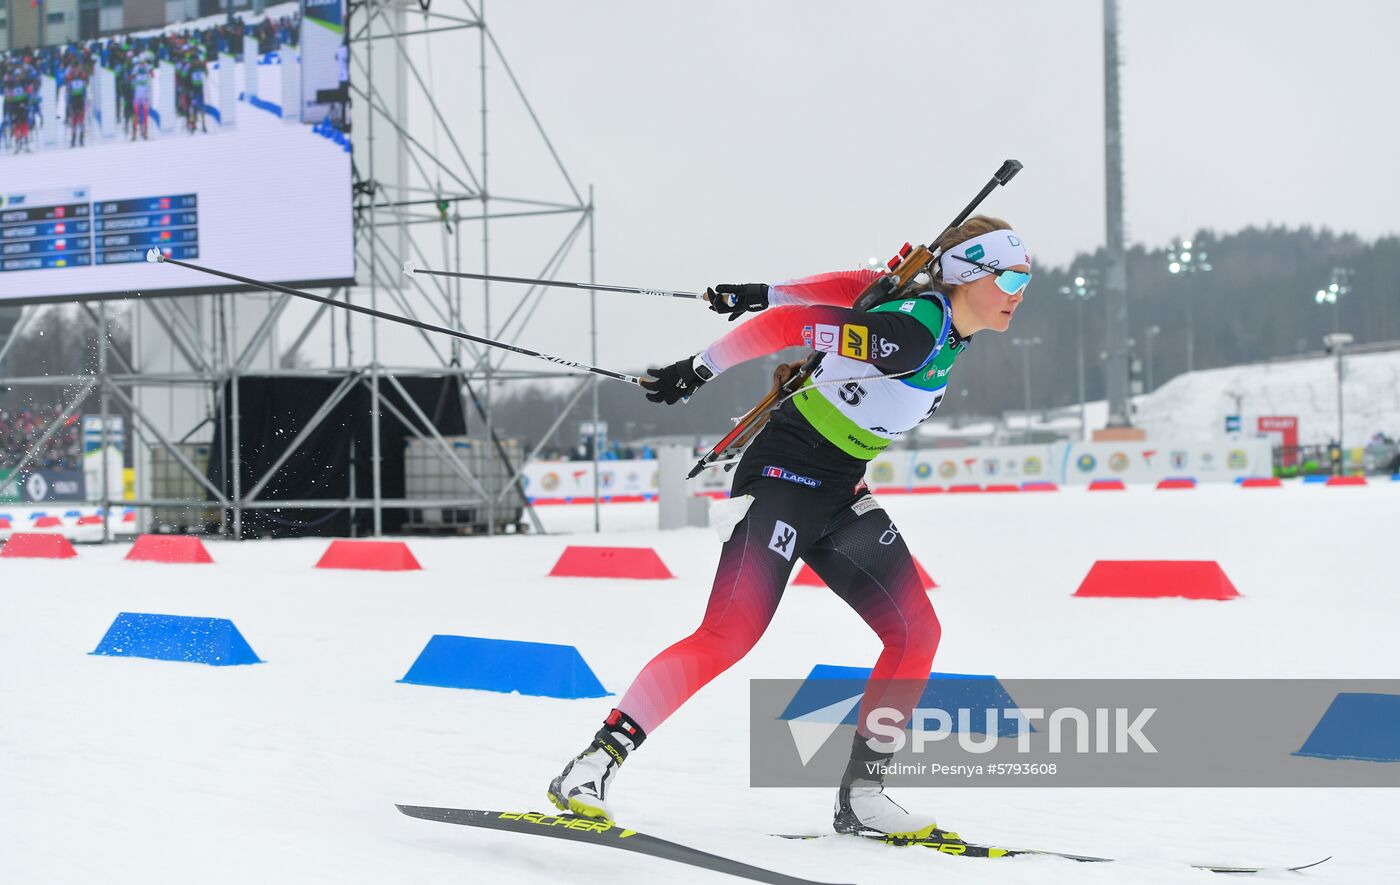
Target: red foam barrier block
<point x="130" y="516"/>
<point x="1346" y="480"/>
<point x="964" y="488"/>
<point x="27" y="545"/>
<point x="1002" y="487"/>
<point x="90" y="520"/>
<point x="168" y="548"/>
<point x="1039" y="487"/>
<point x="4" y="523"/>
<point x="375" y="556"/>
<point x="47" y="522"/>
<point x="806" y="577"/>
<point x="1107" y="485"/>
<point x="1148" y="579"/>
<point x="1177" y="484"/>
<point x="610" y="562"/>
<point x="1261" y="482"/>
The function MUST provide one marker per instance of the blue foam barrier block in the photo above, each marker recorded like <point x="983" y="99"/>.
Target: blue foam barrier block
<point x="1315" y="477"/>
<point x="1357" y="725"/>
<point x="505" y="665"/>
<point x="214" y="641"/>
<point x="828" y="684"/>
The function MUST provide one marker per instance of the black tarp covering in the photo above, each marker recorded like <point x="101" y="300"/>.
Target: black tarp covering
<point x="336" y="456"/>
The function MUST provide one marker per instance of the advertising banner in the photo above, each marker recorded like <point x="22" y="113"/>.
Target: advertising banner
<point x="982" y="465"/>
<point x="909" y="469"/>
<point x="36" y="486"/>
<point x="1144" y="462"/>
<point x="1070" y="463"/>
<point x="574" y="479"/>
<point x="1281" y="430"/>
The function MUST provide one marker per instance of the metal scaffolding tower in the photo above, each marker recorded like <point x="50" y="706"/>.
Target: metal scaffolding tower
<point x="416" y="192"/>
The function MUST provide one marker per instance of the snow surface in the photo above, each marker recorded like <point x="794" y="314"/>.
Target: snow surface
<point x="1193" y="405"/>
<point x="122" y="770"/>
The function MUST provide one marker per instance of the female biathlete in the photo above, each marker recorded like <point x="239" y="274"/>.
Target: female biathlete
<point x="800" y="493"/>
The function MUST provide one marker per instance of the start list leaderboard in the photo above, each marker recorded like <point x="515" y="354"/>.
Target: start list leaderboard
<point x="127" y="228"/>
<point x="45" y="229"/>
<point x="58" y="229"/>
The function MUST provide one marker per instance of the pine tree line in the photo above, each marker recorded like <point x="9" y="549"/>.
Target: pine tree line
<point x="1256" y="303"/>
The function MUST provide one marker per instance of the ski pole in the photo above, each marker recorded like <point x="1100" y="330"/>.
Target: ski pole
<point x="155" y="256"/>
<point x="410" y="268"/>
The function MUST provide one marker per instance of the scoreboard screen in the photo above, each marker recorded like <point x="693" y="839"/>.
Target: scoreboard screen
<point x="219" y="140"/>
<point x="46" y="232"/>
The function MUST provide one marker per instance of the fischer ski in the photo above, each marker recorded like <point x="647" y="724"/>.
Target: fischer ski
<point x="957" y="847"/>
<point x="597" y="832"/>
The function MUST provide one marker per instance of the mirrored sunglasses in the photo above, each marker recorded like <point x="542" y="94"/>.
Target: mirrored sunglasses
<point x="1008" y="281"/>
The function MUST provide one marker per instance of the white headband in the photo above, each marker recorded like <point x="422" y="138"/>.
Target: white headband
<point x="1000" y="248"/>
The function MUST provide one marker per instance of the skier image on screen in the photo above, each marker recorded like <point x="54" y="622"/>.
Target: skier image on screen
<point x="76" y="84"/>
<point x="142" y="72"/>
<point x="799" y="493"/>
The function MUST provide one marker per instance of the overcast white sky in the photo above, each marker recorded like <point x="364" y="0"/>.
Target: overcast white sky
<point x="735" y="141"/>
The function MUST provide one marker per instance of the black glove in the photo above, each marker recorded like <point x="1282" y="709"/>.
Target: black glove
<point x="676" y="381"/>
<point x="736" y="299"/>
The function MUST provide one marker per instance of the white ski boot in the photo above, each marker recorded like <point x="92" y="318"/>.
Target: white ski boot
<point x="582" y="787"/>
<point x="863" y="808"/>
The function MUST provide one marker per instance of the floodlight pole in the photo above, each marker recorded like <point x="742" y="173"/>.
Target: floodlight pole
<point x="1025" y="345"/>
<point x="1081" y="288"/>
<point x="1083" y="408"/>
<point x="1150" y="333"/>
<point x="1337" y="342"/>
<point x="1115" y="280"/>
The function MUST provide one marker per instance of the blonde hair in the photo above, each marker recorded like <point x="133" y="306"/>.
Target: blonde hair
<point x="975" y="226"/>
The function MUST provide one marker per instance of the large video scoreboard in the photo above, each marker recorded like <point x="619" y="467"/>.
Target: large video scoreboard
<point x="225" y="144"/>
